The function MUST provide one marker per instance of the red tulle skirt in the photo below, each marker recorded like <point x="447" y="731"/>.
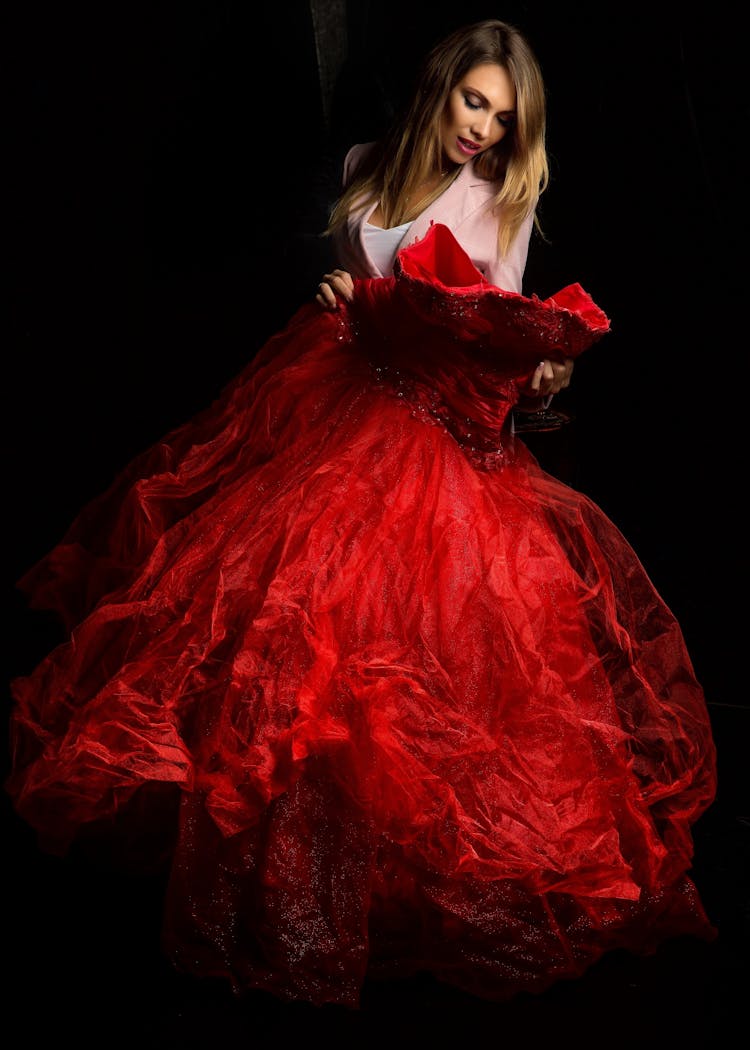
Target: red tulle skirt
<point x="384" y="695"/>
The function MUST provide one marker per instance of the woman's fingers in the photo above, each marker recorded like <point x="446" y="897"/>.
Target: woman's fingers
<point x="338" y="283"/>
<point x="325" y="296"/>
<point x="550" y="377"/>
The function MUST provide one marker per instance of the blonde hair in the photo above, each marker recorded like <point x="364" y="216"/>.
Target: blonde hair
<point x="412" y="150"/>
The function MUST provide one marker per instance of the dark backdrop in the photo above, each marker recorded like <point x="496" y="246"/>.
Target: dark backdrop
<point x="173" y="171"/>
<point x="170" y="173"/>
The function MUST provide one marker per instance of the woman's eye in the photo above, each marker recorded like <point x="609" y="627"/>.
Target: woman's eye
<point x="471" y="103"/>
<point x="507" y="122"/>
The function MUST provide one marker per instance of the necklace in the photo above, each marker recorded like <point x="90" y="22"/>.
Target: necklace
<point x="442" y="177"/>
<point x="425" y="197"/>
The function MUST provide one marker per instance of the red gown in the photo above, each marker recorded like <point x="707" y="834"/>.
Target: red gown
<point x="385" y="695"/>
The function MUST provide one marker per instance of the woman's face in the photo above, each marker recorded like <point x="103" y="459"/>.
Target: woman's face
<point x="480" y="111"/>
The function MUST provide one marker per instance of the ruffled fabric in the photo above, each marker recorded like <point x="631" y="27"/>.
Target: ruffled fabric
<point x="385" y="695"/>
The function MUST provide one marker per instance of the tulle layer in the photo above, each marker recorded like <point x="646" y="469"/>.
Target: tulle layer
<point x="422" y="709"/>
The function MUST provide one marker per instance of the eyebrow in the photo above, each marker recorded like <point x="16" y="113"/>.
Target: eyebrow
<point x="479" y="94"/>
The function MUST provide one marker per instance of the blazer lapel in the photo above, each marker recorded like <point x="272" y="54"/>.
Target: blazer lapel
<point x="464" y="195"/>
<point x="356" y="222"/>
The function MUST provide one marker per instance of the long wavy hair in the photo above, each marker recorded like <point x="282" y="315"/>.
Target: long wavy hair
<point x="411" y="151"/>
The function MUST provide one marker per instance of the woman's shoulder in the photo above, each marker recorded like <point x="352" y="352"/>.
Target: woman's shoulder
<point x="354" y="159"/>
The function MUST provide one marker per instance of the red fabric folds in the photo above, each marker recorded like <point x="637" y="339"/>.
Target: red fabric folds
<point x="458" y="348"/>
<point x="419" y="700"/>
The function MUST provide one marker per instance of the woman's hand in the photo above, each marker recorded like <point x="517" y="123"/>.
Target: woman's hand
<point x="549" y="377"/>
<point x="337" y="283"/>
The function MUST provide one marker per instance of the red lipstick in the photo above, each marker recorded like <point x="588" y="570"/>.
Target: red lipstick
<point x="467" y="147"/>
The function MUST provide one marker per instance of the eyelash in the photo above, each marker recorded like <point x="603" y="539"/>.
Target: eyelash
<point x="507" y="122"/>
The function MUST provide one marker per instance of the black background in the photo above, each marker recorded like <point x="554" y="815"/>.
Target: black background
<point x="171" y="170"/>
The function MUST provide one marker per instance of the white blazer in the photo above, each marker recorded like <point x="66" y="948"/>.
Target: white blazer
<point x="465" y="208"/>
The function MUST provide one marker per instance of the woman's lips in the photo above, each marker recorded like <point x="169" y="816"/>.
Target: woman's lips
<point x="467" y="146"/>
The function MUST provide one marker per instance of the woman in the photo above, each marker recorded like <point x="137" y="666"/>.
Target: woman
<point x="477" y="120"/>
<point x="383" y="695"/>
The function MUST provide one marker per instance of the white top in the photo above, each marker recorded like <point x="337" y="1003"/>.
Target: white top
<point x="382" y="245"/>
<point x="466" y="207"/>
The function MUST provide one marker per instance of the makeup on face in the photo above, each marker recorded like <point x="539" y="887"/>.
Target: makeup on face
<point x="479" y="112"/>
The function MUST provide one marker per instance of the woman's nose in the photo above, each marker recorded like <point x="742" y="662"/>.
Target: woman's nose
<point x="480" y="127"/>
